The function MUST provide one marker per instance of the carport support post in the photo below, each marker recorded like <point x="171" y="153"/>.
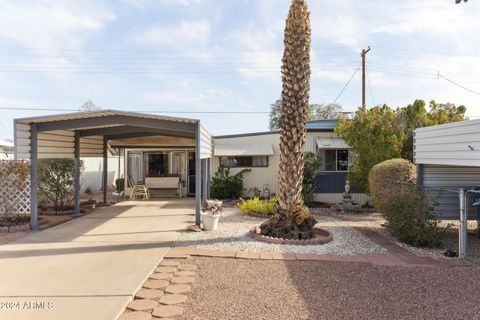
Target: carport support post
<point x="105" y="169"/>
<point x="204" y="180"/>
<point x="198" y="177"/>
<point x="209" y="177"/>
<point x="76" y="194"/>
<point x="462" y="233"/>
<point x="33" y="175"/>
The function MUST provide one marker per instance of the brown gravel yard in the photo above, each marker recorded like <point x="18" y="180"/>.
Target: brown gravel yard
<point x="268" y="289"/>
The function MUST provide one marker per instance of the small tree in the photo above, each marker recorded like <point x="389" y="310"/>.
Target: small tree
<point x="56" y="181"/>
<point x="225" y="186"/>
<point x="374" y="138"/>
<point x="310" y="171"/>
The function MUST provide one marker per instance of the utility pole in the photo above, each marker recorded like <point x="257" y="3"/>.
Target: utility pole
<point x="364" y="54"/>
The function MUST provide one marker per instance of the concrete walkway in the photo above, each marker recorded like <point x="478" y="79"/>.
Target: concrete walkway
<point x="88" y="268"/>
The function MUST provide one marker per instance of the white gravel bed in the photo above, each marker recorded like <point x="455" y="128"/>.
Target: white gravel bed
<point x="232" y="235"/>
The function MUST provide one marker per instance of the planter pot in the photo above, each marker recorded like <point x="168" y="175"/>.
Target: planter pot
<point x="210" y="222"/>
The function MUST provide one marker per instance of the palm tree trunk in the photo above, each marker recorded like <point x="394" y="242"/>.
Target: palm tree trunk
<point x="292" y="219"/>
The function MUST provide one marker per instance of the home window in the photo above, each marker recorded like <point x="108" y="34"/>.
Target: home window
<point x="244" y="161"/>
<point x="157" y="164"/>
<point x="334" y="159"/>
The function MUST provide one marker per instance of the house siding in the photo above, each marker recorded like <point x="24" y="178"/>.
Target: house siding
<point x="448" y="144"/>
<point x="268" y="176"/>
<point x="442" y="183"/>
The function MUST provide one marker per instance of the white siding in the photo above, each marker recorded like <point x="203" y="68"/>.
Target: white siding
<point x="205" y="144"/>
<point x="448" y="144"/>
<point x="259" y="177"/>
<point x="93" y="168"/>
<point x="55" y="144"/>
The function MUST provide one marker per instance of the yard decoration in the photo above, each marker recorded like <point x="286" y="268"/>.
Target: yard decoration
<point x="211" y="214"/>
<point x="292" y="219"/>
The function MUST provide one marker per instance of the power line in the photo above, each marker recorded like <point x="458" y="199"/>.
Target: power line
<point x="5" y="127"/>
<point x="346" y="85"/>
<point x="459" y="85"/>
<point x="136" y="109"/>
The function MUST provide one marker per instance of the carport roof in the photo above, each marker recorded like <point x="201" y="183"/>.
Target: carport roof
<point x="56" y="133"/>
<point x="99" y="113"/>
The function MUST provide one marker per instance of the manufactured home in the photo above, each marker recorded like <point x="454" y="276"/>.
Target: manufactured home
<point x="260" y="152"/>
<point x="448" y="159"/>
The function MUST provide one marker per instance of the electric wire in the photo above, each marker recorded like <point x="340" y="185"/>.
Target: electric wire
<point x="346" y="85"/>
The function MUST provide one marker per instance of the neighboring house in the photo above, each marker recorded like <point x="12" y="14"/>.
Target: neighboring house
<point x="448" y="158"/>
<point x="6" y="150"/>
<point x="260" y="152"/>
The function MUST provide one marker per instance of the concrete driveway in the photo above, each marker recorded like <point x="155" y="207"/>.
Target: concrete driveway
<point x="88" y="268"/>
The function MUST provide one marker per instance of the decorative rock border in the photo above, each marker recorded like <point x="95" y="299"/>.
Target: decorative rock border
<point x="321" y="237"/>
<point x="15" y="228"/>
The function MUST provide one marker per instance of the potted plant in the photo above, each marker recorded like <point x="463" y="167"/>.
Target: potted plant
<point x="211" y="214"/>
<point x="88" y="204"/>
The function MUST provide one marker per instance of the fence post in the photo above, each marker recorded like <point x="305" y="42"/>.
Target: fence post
<point x="462" y="233"/>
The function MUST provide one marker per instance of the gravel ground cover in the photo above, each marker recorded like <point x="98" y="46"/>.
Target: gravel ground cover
<point x="257" y="289"/>
<point x="232" y="235"/>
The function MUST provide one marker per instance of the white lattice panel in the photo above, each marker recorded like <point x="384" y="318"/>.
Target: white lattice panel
<point x="14" y="195"/>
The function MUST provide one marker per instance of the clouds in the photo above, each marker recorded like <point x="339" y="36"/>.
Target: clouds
<point x="182" y="35"/>
<point x="51" y="24"/>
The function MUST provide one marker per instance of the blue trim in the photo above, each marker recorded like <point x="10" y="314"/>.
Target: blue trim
<point x="332" y="182"/>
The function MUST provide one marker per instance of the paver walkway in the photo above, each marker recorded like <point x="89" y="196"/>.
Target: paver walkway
<point x="91" y="267"/>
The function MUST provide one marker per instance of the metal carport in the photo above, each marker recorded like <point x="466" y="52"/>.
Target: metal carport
<point x="86" y="134"/>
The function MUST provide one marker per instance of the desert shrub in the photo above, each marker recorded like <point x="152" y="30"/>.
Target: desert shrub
<point x="56" y="181"/>
<point x="411" y="219"/>
<point x="390" y="179"/>
<point x="310" y="171"/>
<point x="225" y="186"/>
<point x="258" y="206"/>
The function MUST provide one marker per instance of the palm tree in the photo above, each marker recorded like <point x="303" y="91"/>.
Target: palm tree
<point x="292" y="219"/>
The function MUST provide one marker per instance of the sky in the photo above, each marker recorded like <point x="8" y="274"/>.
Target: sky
<point x="189" y="57"/>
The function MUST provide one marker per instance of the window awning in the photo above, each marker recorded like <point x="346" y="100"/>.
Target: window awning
<point x="331" y="143"/>
<point x="244" y="150"/>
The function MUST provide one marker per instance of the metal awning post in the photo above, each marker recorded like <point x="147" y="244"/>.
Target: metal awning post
<point x="204" y="180"/>
<point x="105" y="170"/>
<point x="76" y="195"/>
<point x="198" y="177"/>
<point x="462" y="233"/>
<point x="33" y="175"/>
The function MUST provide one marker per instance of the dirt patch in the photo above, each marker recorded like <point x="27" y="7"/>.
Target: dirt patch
<point x="259" y="289"/>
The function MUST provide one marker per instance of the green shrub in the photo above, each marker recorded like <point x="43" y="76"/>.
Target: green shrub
<point x="56" y="179"/>
<point x="390" y="179"/>
<point x="310" y="171"/>
<point x="225" y="186"/>
<point x="410" y="218"/>
<point x="88" y="191"/>
<point x="258" y="206"/>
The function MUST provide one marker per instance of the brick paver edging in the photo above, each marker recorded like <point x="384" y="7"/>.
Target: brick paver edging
<point x="395" y="256"/>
